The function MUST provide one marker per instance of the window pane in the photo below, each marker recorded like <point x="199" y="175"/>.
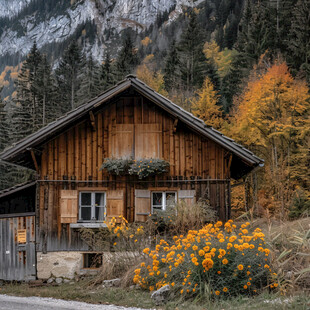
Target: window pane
<point x="86" y="199"/>
<point x="99" y="199"/>
<point x="86" y="213"/>
<point x="100" y="213"/>
<point x="157" y="199"/>
<point x="170" y="199"/>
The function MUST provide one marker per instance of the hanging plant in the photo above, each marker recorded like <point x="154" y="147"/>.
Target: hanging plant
<point x="117" y="166"/>
<point x="147" y="167"/>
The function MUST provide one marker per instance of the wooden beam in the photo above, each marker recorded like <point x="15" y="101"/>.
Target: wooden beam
<point x="228" y="165"/>
<point x="35" y="160"/>
<point x="175" y="125"/>
<point x="92" y="120"/>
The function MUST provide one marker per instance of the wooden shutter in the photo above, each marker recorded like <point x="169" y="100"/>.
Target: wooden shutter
<point x="121" y="140"/>
<point x="187" y="195"/>
<point x="68" y="206"/>
<point x="148" y="141"/>
<point x="115" y="204"/>
<point x="142" y="205"/>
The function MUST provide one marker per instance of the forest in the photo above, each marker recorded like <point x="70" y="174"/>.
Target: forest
<point x="243" y="67"/>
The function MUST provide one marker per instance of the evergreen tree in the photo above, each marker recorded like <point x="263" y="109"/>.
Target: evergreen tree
<point x="193" y="62"/>
<point x="299" y="43"/>
<point x="3" y="125"/>
<point x="172" y="69"/>
<point x="90" y="84"/>
<point x="127" y="59"/>
<point x="257" y="31"/>
<point x="45" y="86"/>
<point x="107" y="77"/>
<point x="69" y="75"/>
<point x="27" y="98"/>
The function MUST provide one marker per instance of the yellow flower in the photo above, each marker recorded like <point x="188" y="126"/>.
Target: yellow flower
<point x="225" y="289"/>
<point x="224" y="261"/>
<point x="266" y="266"/>
<point x="240" y="267"/>
<point x="217" y="293"/>
<point x="201" y="252"/>
<point x="181" y="291"/>
<point x="142" y="264"/>
<point x="172" y="284"/>
<point x="245" y="287"/>
<point x="146" y="250"/>
<point x="222" y="240"/>
<point x="195" y="247"/>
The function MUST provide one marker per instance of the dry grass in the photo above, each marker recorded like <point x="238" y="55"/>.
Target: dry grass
<point x="290" y="245"/>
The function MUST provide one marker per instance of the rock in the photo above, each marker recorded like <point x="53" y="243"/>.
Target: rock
<point x="111" y="283"/>
<point x="50" y="280"/>
<point x="67" y="280"/>
<point x="58" y="280"/>
<point x="160" y="296"/>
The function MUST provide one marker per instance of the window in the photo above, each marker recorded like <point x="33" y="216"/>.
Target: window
<point x="92" y="206"/>
<point x="161" y="200"/>
<point x="92" y="260"/>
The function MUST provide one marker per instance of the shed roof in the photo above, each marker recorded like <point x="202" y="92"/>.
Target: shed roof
<point x="16" y="153"/>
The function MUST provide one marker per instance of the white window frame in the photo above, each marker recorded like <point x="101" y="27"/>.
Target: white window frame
<point x="163" y="204"/>
<point x="93" y="206"/>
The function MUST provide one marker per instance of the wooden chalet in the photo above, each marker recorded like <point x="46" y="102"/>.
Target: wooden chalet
<point x="129" y="120"/>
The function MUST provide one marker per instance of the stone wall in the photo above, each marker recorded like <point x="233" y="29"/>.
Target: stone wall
<point x="59" y="264"/>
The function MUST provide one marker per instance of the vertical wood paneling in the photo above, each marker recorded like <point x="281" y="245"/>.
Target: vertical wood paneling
<point x="17" y="259"/>
<point x="81" y="150"/>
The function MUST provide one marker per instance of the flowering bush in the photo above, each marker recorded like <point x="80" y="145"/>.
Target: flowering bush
<point x="147" y="167"/>
<point x="217" y="260"/>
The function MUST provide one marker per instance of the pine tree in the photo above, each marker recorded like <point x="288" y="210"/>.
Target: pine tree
<point x="299" y="43"/>
<point x="127" y="59"/>
<point x="172" y="69"/>
<point x="90" y="83"/>
<point x="45" y="86"/>
<point x="107" y="77"/>
<point x="193" y="64"/>
<point x="3" y="125"/>
<point x="27" y="110"/>
<point x="69" y="75"/>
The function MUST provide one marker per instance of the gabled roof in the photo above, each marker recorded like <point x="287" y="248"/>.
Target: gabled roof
<point x="14" y="152"/>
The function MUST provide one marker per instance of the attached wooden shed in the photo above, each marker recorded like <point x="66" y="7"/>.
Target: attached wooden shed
<point x="17" y="233"/>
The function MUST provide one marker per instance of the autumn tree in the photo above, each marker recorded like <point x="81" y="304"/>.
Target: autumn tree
<point x="272" y="118"/>
<point x="150" y="76"/>
<point x="204" y="105"/>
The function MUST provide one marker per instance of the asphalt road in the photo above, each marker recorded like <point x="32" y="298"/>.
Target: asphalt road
<point x="39" y="303"/>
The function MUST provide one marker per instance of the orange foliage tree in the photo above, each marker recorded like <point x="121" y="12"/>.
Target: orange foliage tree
<point x="205" y="105"/>
<point x="148" y="75"/>
<point x="272" y="118"/>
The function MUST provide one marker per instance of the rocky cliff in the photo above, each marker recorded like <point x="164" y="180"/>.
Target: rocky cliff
<point x="55" y="21"/>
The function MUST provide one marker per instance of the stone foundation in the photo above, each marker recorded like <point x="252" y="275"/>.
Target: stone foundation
<point x="59" y="264"/>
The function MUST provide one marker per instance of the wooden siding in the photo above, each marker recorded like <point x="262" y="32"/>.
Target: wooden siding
<point x="17" y="259"/>
<point x="78" y="153"/>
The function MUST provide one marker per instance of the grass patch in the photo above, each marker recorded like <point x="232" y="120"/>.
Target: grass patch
<point x="81" y="291"/>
